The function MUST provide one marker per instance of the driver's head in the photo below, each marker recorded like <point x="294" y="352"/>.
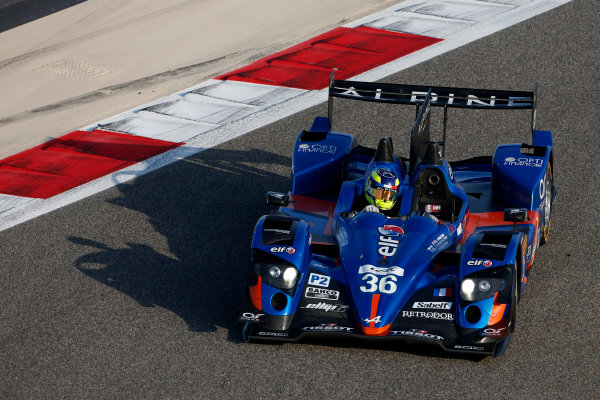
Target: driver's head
<point x="381" y="188"/>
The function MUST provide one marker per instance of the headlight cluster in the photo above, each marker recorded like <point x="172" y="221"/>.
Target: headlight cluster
<point x="484" y="284"/>
<point x="277" y="275"/>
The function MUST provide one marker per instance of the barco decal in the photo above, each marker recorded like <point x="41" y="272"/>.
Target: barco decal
<point x="320" y="293"/>
<point x="435" y="305"/>
<point x="524" y="162"/>
<point x="317" y="148"/>
<point x="428" y="315"/>
<point x="327" y="307"/>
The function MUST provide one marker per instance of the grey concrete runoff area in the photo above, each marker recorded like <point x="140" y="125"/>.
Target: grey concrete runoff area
<point x="133" y="293"/>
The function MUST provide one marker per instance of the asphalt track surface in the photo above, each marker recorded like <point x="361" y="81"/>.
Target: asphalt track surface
<point x="134" y="292"/>
<point x="18" y="12"/>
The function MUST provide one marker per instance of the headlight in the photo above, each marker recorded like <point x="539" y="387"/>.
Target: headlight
<point x="289" y="277"/>
<point x="274" y="272"/>
<point x="282" y="277"/>
<point x="477" y="288"/>
<point x="466" y="288"/>
<point x="484" y="285"/>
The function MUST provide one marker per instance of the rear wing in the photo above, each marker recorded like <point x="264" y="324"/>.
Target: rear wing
<point x="440" y="96"/>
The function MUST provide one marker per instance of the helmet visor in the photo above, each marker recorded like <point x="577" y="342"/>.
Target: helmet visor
<point x="384" y="194"/>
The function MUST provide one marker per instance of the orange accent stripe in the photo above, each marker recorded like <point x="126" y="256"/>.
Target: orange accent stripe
<point x="374" y="309"/>
<point x="497" y="311"/>
<point x="256" y="294"/>
<point x="383" y="331"/>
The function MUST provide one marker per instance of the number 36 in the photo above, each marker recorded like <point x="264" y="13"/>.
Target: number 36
<point x="386" y="285"/>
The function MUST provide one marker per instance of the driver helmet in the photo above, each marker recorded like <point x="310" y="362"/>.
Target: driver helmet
<point x="381" y="188"/>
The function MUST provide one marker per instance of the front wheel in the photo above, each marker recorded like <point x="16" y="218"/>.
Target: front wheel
<point x="503" y="345"/>
<point x="547" y="201"/>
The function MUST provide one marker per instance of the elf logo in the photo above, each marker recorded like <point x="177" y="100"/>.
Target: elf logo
<point x="387" y="245"/>
<point x="485" y="263"/>
<point x="283" y="249"/>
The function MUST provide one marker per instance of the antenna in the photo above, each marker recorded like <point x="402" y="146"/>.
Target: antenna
<point x="330" y="99"/>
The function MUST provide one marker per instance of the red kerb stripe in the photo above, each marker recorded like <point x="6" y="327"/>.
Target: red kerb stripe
<point x="72" y="160"/>
<point x="352" y="51"/>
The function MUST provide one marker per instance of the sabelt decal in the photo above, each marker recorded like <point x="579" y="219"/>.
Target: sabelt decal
<point x="319" y="293"/>
<point x="317" y="148"/>
<point x="371" y="269"/>
<point x="428" y="315"/>
<point x="434" y="305"/>
<point x="318" y="280"/>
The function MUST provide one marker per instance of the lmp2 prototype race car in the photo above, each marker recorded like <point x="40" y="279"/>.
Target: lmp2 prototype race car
<point x="369" y="244"/>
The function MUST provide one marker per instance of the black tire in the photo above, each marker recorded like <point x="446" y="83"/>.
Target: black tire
<point x="515" y="300"/>
<point x="545" y="231"/>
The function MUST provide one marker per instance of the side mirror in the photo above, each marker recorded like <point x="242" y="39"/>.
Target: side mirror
<point x="515" y="214"/>
<point x="277" y="199"/>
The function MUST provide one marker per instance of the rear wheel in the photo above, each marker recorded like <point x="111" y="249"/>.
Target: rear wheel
<point x="547" y="201"/>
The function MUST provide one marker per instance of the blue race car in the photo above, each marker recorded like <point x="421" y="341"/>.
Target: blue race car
<point x="370" y="244"/>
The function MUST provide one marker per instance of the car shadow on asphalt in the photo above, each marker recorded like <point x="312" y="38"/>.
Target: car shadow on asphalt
<point x="206" y="207"/>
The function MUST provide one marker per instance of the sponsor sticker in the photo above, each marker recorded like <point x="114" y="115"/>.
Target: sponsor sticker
<point x="317" y="148"/>
<point x="371" y="269"/>
<point x="434" y="305"/>
<point x="251" y="317"/>
<point x="391" y="230"/>
<point x="485" y="263"/>
<point x="328" y="328"/>
<point x="491" y="332"/>
<point x="327" y="307"/>
<point x="524" y="162"/>
<point x="320" y="293"/>
<point x="416" y="333"/>
<point x="442" y="292"/>
<point x="441" y="241"/>
<point x="428" y="315"/>
<point x="388" y="244"/>
<point x="283" y="249"/>
<point x="463" y="347"/>
<point x="433" y="208"/>
<point x="318" y="280"/>
<point x="279" y="334"/>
